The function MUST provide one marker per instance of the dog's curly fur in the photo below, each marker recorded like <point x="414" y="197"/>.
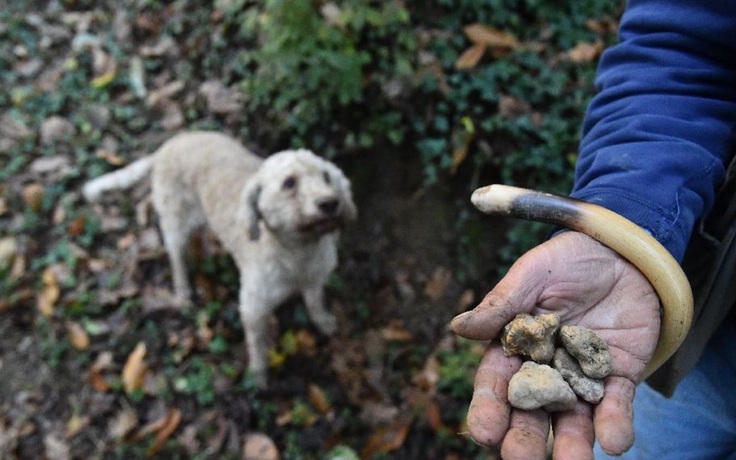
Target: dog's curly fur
<point x="278" y="217"/>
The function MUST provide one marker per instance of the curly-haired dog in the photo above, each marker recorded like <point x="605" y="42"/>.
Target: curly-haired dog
<point x="279" y="218"/>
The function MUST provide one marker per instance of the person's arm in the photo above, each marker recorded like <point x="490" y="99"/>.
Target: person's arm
<point x="660" y="131"/>
<point x="656" y="141"/>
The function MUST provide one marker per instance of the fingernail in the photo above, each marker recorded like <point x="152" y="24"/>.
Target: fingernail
<point x="461" y="318"/>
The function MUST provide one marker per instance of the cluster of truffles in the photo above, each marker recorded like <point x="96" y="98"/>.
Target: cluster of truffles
<point x="566" y="363"/>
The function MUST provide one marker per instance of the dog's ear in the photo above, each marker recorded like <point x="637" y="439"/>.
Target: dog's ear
<point x="343" y="188"/>
<point x="251" y="213"/>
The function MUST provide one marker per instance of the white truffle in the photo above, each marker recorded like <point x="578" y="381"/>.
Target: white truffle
<point x="537" y="386"/>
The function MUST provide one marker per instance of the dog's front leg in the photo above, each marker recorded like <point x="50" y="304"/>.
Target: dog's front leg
<point x="255" y="311"/>
<point x="325" y="321"/>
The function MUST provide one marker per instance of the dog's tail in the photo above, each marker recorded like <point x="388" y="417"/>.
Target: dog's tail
<point x="121" y="179"/>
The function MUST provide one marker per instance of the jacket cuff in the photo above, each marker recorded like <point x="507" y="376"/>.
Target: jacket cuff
<point x="674" y="236"/>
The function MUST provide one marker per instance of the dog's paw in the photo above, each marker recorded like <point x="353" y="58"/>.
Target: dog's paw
<point x="257" y="379"/>
<point x="183" y="295"/>
<point x="327" y="324"/>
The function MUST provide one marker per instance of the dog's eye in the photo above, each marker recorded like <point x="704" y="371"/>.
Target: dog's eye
<point x="326" y="176"/>
<point x="289" y="183"/>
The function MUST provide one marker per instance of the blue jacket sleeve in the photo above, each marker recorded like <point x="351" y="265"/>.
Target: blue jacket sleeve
<point x="659" y="134"/>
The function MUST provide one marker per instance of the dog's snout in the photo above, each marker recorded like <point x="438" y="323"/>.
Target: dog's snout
<point x="328" y="206"/>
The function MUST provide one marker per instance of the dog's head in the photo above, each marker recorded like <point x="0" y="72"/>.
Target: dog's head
<point x="299" y="194"/>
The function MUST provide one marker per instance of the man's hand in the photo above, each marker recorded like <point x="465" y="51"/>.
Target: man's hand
<point x="586" y="284"/>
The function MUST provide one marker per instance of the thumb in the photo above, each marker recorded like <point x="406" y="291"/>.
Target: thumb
<point x="518" y="292"/>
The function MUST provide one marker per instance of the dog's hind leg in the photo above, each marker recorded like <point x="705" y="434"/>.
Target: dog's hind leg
<point x="179" y="215"/>
<point x="176" y="243"/>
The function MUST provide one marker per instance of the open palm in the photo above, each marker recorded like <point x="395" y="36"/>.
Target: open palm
<point x="585" y="284"/>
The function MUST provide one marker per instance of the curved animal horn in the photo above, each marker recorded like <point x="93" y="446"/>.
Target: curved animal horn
<point x="618" y="233"/>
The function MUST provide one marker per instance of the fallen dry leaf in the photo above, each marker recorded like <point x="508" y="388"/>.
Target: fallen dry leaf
<point x="48" y="277"/>
<point x="349" y="369"/>
<point x="396" y="332"/>
<point x="137" y="77"/>
<point x="387" y="439"/>
<point x="27" y="428"/>
<point x="135" y="369"/>
<point x="110" y="158"/>
<point x="585" y="52"/>
<point x="154" y="383"/>
<point x="434" y="416"/>
<point x="318" y="398"/>
<point x="166" y="45"/>
<point x="172" y="115"/>
<point x="470" y="57"/>
<point x="460" y="154"/>
<point x="77" y="335"/>
<point x="169" y="425"/>
<point x="427" y="378"/>
<point x="188" y="440"/>
<point x="103" y="362"/>
<point x="484" y="38"/>
<point x="59" y="215"/>
<point x="220" y="98"/>
<point x="437" y="284"/>
<point x="56" y="447"/>
<point x="13" y="128"/>
<point x="258" y="446"/>
<point x="153" y="426"/>
<point x="298" y="415"/>
<point x="490" y="37"/>
<point x="306" y="342"/>
<point x="465" y="138"/>
<point x="167" y="91"/>
<point x="9" y="433"/>
<point x="510" y="107"/>
<point x="46" y="300"/>
<point x="123" y="423"/>
<point x="216" y="440"/>
<point x="53" y="165"/>
<point x="204" y="332"/>
<point x="205" y="286"/>
<point x="33" y="196"/>
<point x="56" y="129"/>
<point x="378" y="413"/>
<point x="602" y="26"/>
<point x="126" y="241"/>
<point x="18" y="268"/>
<point x="98" y="382"/>
<point x="104" y="79"/>
<point x="75" y="425"/>
<point x="8" y="251"/>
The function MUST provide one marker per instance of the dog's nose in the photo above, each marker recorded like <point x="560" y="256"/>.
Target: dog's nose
<point x="328" y="206"/>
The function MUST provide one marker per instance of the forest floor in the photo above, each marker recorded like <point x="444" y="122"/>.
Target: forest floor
<point x="86" y="305"/>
